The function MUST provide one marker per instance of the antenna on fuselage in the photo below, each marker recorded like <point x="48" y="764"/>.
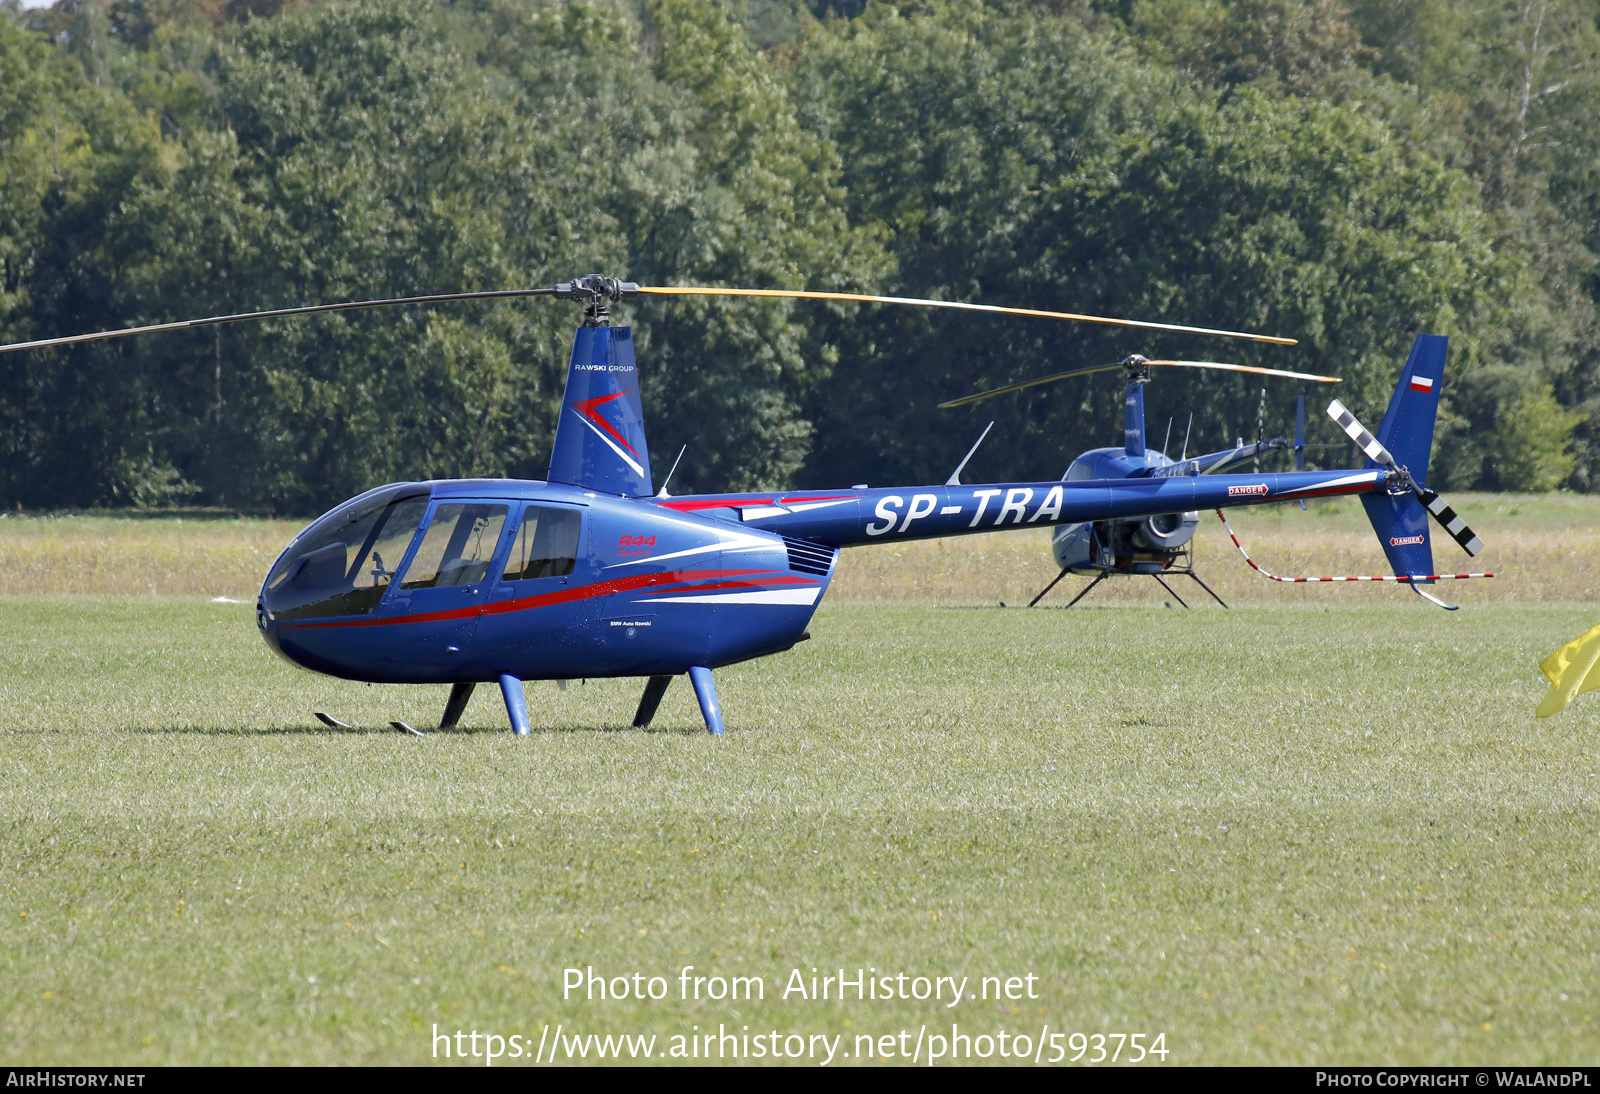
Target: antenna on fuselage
<point x="663" y="492"/>
<point x="1186" y="430"/>
<point x="1168" y="439"/>
<point x="955" y="476"/>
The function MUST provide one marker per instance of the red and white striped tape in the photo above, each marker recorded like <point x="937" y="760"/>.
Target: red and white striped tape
<point x="1404" y="578"/>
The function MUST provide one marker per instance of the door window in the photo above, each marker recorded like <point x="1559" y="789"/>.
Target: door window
<point x="457" y="547"/>
<point x="547" y="544"/>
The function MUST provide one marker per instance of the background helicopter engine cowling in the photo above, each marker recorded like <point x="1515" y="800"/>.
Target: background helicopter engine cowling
<point x="1147" y="546"/>
<point x="1166" y="531"/>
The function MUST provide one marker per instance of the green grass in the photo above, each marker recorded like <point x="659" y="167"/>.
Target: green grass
<point x="1276" y="835"/>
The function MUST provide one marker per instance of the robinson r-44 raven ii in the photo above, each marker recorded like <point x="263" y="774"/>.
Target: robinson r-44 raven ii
<point x="593" y="572"/>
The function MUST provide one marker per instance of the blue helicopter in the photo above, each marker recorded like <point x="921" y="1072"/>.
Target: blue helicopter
<point x="595" y="573"/>
<point x="1156" y="546"/>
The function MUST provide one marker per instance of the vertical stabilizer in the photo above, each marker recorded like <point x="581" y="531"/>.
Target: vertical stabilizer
<point x="1407" y="427"/>
<point x="600" y="443"/>
<point x="1402" y="526"/>
<point x="1407" y="432"/>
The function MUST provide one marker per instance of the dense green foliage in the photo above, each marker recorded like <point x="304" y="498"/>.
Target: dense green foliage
<point x="1344" y="177"/>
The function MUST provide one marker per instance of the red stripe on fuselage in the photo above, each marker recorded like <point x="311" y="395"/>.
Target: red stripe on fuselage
<point x="560" y="596"/>
<point x="1356" y="488"/>
<point x="689" y="505"/>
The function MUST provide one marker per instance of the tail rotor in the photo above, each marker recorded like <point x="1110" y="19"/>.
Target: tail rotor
<point x="1447" y="517"/>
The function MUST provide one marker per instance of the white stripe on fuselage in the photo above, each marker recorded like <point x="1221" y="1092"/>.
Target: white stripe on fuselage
<point x="761" y="596"/>
<point x="1348" y="480"/>
<point x="730" y="541"/>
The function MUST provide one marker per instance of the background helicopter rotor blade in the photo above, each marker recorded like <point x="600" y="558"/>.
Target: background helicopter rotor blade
<point x="1054" y="376"/>
<point x="802" y="294"/>
<point x="1447" y="517"/>
<point x="1251" y="368"/>
<point x="214" y="320"/>
<point x="964" y="400"/>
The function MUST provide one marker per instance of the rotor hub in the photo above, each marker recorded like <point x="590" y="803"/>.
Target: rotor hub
<point x="597" y="292"/>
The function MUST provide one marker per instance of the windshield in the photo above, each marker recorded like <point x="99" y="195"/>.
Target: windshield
<point x="343" y="563"/>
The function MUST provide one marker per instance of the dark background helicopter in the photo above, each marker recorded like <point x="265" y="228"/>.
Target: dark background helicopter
<point x="1156" y="546"/>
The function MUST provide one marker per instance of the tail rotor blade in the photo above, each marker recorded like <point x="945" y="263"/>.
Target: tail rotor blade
<point x="1450" y="521"/>
<point x="1447" y="517"/>
<point x="1358" y="433"/>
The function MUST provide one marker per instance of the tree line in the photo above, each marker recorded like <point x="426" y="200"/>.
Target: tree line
<point x="1347" y="176"/>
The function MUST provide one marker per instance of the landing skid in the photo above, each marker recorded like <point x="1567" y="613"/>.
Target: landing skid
<point x="511" y="690"/>
<point x="1103" y="574"/>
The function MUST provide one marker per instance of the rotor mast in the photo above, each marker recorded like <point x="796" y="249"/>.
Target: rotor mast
<point x="1138" y="369"/>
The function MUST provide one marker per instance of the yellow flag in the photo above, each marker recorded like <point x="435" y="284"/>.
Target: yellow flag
<point x="1572" y="672"/>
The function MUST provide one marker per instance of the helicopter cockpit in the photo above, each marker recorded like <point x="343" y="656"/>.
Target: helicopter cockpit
<point x="343" y="563"/>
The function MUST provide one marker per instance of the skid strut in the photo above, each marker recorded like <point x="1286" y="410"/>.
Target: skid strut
<point x="650" y="700"/>
<point x="459" y="694"/>
<point x="516" y="704"/>
<point x="705" y="690"/>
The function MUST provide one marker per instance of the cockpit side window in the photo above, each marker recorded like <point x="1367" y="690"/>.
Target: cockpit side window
<point x="547" y="544"/>
<point x="343" y="564"/>
<point x="458" y="545"/>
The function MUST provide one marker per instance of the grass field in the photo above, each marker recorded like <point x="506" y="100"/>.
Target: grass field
<point x="1311" y="830"/>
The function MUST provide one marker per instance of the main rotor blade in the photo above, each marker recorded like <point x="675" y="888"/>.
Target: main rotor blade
<point x="275" y="313"/>
<point x="964" y="400"/>
<point x="802" y="294"/>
